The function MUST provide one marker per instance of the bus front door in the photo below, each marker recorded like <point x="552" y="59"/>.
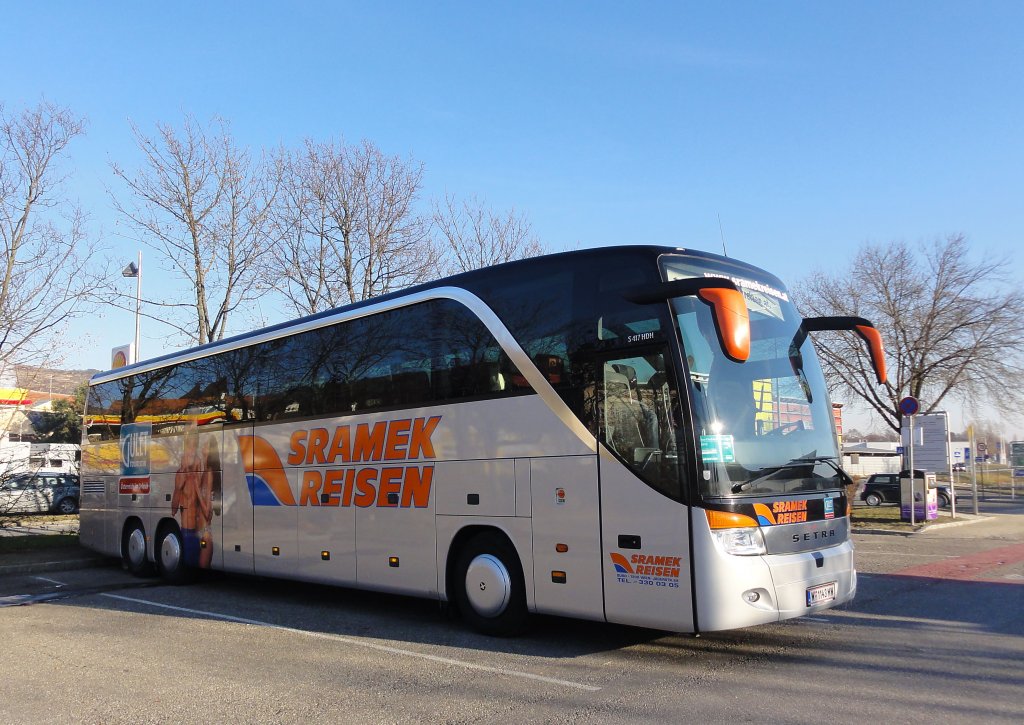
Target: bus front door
<point x="645" y="562"/>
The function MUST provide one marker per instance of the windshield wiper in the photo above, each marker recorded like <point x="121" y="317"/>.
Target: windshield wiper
<point x="791" y="463"/>
<point x="831" y="461"/>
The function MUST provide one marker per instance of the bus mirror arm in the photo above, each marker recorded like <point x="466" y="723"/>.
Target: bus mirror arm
<point x="732" y="319"/>
<point x="864" y="329"/>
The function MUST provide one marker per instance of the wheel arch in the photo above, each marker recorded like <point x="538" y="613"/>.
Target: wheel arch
<point x="459" y="541"/>
<point x="165" y="524"/>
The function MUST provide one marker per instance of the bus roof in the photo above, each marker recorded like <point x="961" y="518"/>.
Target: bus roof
<point x="642" y="251"/>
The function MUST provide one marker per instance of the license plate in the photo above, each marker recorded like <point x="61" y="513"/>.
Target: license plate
<point x="821" y="593"/>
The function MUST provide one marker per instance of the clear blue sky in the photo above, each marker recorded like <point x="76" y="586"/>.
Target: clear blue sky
<point x="808" y="127"/>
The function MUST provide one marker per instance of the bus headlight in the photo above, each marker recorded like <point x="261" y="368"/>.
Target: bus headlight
<point x="740" y="542"/>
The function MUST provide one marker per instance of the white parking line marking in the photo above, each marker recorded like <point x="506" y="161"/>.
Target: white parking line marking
<point x="359" y="643"/>
<point x="904" y="553"/>
<point x="54" y="581"/>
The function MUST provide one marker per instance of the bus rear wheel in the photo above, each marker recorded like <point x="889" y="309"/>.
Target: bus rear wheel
<point x="170" y="556"/>
<point x="489" y="591"/>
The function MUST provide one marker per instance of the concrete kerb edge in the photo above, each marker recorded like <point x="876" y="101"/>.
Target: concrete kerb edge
<point x="924" y="529"/>
<point x="950" y="524"/>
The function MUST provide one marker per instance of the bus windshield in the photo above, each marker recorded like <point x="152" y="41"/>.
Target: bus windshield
<point x="763" y="426"/>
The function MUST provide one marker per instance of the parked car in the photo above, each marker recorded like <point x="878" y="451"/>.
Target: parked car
<point x="959" y="466"/>
<point x="40" y="492"/>
<point x="885" y="488"/>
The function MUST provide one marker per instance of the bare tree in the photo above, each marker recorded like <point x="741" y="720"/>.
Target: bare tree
<point x="346" y="227"/>
<point x="951" y="326"/>
<point x="473" y="236"/>
<point x="45" y="273"/>
<point x="203" y="204"/>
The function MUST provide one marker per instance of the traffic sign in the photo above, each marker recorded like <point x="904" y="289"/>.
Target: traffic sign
<point x="900" y="450"/>
<point x="909" y="405"/>
<point x="956" y="454"/>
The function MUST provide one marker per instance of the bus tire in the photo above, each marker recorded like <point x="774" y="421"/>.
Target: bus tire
<point x="170" y="555"/>
<point x="489" y="588"/>
<point x="133" y="550"/>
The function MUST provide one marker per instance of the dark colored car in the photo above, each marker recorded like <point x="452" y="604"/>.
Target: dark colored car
<point x="885" y="488"/>
<point x="39" y="492"/>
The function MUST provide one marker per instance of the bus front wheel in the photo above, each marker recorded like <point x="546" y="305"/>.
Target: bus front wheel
<point x="490" y="593"/>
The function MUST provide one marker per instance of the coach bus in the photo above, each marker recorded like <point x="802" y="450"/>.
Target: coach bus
<point x="634" y="434"/>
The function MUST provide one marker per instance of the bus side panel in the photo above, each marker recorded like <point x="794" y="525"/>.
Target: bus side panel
<point x="184" y="482"/>
<point x="475" y="488"/>
<point x="236" y="506"/>
<point x="327" y="544"/>
<point x="566" y="515"/>
<point x="98" y="520"/>
<point x="395" y="549"/>
<point x="276" y="531"/>
<point x="646" y="552"/>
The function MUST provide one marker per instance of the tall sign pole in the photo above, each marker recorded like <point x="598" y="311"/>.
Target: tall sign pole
<point x="909" y="407"/>
<point x="138" y="305"/>
<point x="135" y="270"/>
<point x="974" y="468"/>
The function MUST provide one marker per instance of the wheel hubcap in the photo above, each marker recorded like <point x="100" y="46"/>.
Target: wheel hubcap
<point x="170" y="552"/>
<point x="488" y="585"/>
<point x="136" y="548"/>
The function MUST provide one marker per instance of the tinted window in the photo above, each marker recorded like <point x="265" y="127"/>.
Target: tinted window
<point x="427" y="353"/>
<point x="109" y="405"/>
<point x="433" y="352"/>
<point x="563" y="315"/>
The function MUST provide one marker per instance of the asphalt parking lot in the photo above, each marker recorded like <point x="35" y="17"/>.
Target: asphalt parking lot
<point x="934" y="635"/>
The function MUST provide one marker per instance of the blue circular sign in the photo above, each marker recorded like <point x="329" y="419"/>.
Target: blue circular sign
<point x="909" y="405"/>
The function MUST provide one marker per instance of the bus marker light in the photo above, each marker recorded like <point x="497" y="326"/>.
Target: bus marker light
<point x="276" y="551"/>
<point x="558" y="577"/>
<point x="325" y="555"/>
<point x="202" y="543"/>
<point x="728" y="520"/>
<point x="393" y="562"/>
<point x="561" y="548"/>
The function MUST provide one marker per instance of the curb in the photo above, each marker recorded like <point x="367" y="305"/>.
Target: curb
<point x="924" y="529"/>
<point x="950" y="524"/>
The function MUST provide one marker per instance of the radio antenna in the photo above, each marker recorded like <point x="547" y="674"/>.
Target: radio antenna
<point x="724" y="252"/>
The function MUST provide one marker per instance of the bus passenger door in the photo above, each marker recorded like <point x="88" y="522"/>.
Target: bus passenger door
<point x="644" y="527"/>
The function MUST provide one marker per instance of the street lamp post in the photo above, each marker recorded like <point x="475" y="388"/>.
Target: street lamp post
<point x="135" y="270"/>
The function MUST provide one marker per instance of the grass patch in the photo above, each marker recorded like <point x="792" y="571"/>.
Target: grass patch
<point x="41" y="542"/>
<point x="888" y="517"/>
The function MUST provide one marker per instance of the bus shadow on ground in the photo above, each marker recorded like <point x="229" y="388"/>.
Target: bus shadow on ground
<point x="930" y="609"/>
<point x="338" y="611"/>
